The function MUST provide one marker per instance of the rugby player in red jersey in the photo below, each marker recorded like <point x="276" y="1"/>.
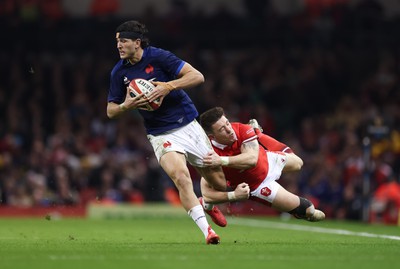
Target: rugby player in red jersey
<point x="252" y="164"/>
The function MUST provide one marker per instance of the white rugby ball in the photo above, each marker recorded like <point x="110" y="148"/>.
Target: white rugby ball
<point x="139" y="86"/>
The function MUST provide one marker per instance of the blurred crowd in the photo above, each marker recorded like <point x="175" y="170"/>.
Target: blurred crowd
<point x="324" y="81"/>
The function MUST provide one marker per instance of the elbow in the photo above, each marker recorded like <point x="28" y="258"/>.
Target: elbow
<point x="110" y="115"/>
<point x="109" y="111"/>
<point x="253" y="162"/>
<point x="112" y="111"/>
<point x="201" y="78"/>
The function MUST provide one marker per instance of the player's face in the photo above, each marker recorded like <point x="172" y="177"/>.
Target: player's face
<point x="126" y="48"/>
<point x="223" y="132"/>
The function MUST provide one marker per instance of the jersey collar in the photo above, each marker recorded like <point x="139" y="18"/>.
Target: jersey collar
<point x="222" y="146"/>
<point x="218" y="145"/>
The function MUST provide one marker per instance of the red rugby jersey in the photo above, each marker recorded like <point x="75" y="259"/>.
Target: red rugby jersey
<point x="252" y="176"/>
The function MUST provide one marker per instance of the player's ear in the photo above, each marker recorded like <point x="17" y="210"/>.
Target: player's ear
<point x="138" y="42"/>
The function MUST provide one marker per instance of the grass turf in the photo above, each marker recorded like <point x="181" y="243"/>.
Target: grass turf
<point x="175" y="242"/>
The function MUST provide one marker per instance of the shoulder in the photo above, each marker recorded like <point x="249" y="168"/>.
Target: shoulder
<point x="243" y="128"/>
<point x="162" y="56"/>
<point x="244" y="131"/>
<point x="156" y="52"/>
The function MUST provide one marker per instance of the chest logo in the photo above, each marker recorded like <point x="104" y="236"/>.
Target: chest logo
<point x="149" y="69"/>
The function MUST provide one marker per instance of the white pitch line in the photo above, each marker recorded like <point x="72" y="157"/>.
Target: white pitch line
<point x="287" y="226"/>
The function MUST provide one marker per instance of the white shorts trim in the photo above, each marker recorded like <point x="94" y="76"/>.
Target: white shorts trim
<point x="191" y="140"/>
<point x="268" y="189"/>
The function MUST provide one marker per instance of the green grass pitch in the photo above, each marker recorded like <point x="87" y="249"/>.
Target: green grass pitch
<point x="175" y="242"/>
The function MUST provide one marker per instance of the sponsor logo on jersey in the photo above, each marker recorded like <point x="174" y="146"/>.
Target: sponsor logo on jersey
<point x="126" y="81"/>
<point x="250" y="131"/>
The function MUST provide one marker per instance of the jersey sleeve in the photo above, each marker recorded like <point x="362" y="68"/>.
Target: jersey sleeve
<point x="170" y="62"/>
<point x="272" y="144"/>
<point x="246" y="133"/>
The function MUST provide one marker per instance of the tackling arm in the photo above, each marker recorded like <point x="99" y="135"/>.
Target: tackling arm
<point x="211" y="195"/>
<point x="246" y="159"/>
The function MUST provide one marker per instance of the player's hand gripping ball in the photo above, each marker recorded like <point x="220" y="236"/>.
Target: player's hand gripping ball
<point x="139" y="86"/>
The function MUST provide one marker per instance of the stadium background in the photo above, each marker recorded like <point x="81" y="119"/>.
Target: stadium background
<point x="322" y="76"/>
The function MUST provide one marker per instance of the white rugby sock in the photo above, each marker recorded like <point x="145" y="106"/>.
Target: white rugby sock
<point x="199" y="217"/>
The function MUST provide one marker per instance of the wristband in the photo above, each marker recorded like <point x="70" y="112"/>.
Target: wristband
<point x="122" y="107"/>
<point x="224" y="161"/>
<point x="231" y="196"/>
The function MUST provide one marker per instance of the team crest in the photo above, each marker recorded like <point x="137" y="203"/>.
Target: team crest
<point x="167" y="144"/>
<point x="149" y="69"/>
<point x="265" y="191"/>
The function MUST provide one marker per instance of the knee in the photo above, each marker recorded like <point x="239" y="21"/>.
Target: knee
<point x="304" y="210"/>
<point x="299" y="163"/>
<point x="294" y="162"/>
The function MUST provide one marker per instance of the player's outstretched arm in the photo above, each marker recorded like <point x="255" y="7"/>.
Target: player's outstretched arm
<point x="246" y="159"/>
<point x="213" y="196"/>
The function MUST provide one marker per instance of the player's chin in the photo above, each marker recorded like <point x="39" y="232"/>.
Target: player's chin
<point x="231" y="141"/>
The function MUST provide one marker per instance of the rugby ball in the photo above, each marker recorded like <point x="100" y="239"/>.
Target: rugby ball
<point x="139" y="86"/>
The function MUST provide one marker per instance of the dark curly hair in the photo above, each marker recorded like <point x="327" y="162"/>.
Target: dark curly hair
<point x="137" y="27"/>
<point x="211" y="116"/>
